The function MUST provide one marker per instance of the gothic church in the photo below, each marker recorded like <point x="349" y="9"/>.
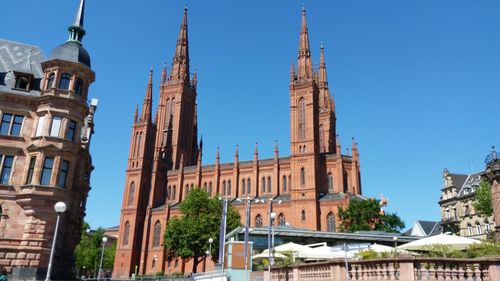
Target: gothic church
<point x="165" y="163"/>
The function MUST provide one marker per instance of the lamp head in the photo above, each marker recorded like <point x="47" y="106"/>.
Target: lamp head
<point x="210" y="240"/>
<point x="273" y="215"/>
<point x="104" y="239"/>
<point x="60" y="207"/>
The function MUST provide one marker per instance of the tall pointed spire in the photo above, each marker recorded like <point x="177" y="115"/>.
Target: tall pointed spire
<point x="323" y="83"/>
<point x="76" y="31"/>
<point x="148" y="102"/>
<point x="304" y="66"/>
<point x="136" y="113"/>
<point x="180" y="63"/>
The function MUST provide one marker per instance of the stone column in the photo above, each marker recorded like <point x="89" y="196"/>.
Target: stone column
<point x="492" y="175"/>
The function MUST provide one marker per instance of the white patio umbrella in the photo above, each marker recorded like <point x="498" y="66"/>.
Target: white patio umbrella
<point x="453" y="241"/>
<point x="317" y="253"/>
<point x="266" y="256"/>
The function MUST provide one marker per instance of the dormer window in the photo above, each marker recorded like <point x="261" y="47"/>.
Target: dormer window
<point x="22" y="83"/>
<point x="79" y="86"/>
<point x="64" y="81"/>
<point x="50" y="81"/>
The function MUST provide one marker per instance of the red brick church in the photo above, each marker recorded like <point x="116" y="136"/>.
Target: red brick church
<point x="165" y="163"/>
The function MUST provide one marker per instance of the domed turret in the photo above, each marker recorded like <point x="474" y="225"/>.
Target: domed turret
<point x="72" y="50"/>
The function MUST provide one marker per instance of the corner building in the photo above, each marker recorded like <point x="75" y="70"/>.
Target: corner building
<point x="45" y="129"/>
<point x="165" y="163"/>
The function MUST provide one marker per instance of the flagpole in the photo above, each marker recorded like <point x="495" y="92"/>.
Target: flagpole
<point x="222" y="234"/>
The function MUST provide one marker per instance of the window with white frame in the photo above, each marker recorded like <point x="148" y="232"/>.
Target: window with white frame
<point x="39" y="127"/>
<point x="55" y="127"/>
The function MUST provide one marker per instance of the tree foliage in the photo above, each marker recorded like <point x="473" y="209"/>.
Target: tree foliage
<point x="365" y="215"/>
<point x="483" y="202"/>
<point x="187" y="236"/>
<point x="88" y="251"/>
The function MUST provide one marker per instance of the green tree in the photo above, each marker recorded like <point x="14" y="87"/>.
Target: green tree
<point x="187" y="236"/>
<point x="88" y="251"/>
<point x="365" y="215"/>
<point x="483" y="202"/>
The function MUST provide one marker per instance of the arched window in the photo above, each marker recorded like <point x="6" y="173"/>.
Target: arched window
<point x="131" y="194"/>
<point x="281" y="220"/>
<point x="302" y="177"/>
<point x="330" y="222"/>
<point x="303" y="215"/>
<point x="126" y="231"/>
<point x="169" y="192"/>
<point x="64" y="81"/>
<point x="469" y="229"/>
<point x="249" y="190"/>
<point x="243" y="186"/>
<point x="330" y="182"/>
<point x="290" y="181"/>
<point x="322" y="147"/>
<point x="22" y="82"/>
<point x="173" y="193"/>
<point x="205" y="188"/>
<point x="258" y="221"/>
<point x="157" y="234"/>
<point x="187" y="189"/>
<point x="78" y="86"/>
<point x="302" y="119"/>
<point x="486" y="226"/>
<point x="229" y="187"/>
<point x="284" y="183"/>
<point x="478" y="228"/>
<point x="50" y="81"/>
<point x="210" y="188"/>
<point x="224" y="188"/>
<point x="263" y="183"/>
<point x="269" y="185"/>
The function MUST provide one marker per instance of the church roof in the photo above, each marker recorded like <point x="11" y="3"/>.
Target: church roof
<point x="73" y="52"/>
<point x="23" y="58"/>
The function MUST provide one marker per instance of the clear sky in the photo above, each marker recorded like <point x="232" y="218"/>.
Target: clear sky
<point x="416" y="82"/>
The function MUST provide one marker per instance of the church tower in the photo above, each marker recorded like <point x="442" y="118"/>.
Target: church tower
<point x="304" y="112"/>
<point x="137" y="180"/>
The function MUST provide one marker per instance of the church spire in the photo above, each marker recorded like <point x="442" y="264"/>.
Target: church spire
<point x="163" y="74"/>
<point x="323" y="83"/>
<point x="180" y="63"/>
<point x="76" y="31"/>
<point x="148" y="102"/>
<point x="304" y="65"/>
<point x="292" y="72"/>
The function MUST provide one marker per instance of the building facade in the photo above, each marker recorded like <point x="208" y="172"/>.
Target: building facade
<point x="165" y="163"/>
<point x="458" y="214"/>
<point x="45" y="129"/>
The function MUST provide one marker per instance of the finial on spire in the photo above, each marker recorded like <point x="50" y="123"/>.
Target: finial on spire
<point x="256" y="149"/>
<point x="136" y="113"/>
<point x="185" y="8"/>
<point x="163" y="74"/>
<point x="76" y="31"/>
<point x="236" y="154"/>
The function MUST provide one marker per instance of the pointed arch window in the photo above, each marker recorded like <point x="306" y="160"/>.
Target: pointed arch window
<point x="478" y="228"/>
<point x="126" y="232"/>
<point x="469" y="229"/>
<point x="258" y="221"/>
<point x="322" y="147"/>
<point x="224" y="188"/>
<point x="229" y="187"/>
<point x="243" y="186"/>
<point x="330" y="222"/>
<point x="64" y="81"/>
<point x="210" y="188"/>
<point x="303" y="216"/>
<point x="269" y="185"/>
<point x="249" y="189"/>
<point x="169" y="193"/>
<point x="173" y="193"/>
<point x="131" y="194"/>
<point x="302" y="119"/>
<point x="284" y="183"/>
<point x="281" y="220"/>
<point x="157" y="234"/>
<point x="263" y="183"/>
<point x="205" y="187"/>
<point x="330" y="182"/>
<point x="302" y="177"/>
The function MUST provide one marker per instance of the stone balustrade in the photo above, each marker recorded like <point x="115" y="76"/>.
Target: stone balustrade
<point x="391" y="269"/>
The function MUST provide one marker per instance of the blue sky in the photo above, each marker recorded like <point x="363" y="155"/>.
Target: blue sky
<point x="416" y="82"/>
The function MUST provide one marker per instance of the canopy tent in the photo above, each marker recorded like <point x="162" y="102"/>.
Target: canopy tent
<point x="425" y="244"/>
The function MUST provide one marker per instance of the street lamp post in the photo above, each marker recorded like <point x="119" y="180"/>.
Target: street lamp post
<point x="59" y="207"/>
<point x="270" y="243"/>
<point x="210" y="241"/>
<point x="395" y="238"/>
<point x="104" y="240"/>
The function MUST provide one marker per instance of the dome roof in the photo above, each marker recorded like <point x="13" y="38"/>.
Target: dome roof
<point x="72" y="51"/>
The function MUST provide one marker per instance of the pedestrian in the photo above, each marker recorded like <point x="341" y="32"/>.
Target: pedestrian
<point x="3" y="274"/>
